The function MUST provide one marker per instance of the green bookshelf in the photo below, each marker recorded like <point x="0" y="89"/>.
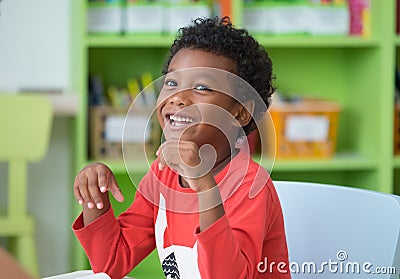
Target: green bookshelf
<point x="307" y="41"/>
<point x="140" y="40"/>
<point x="340" y="162"/>
<point x="396" y="162"/>
<point x="356" y="72"/>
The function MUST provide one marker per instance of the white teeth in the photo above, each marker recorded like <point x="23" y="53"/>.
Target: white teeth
<point x="181" y="119"/>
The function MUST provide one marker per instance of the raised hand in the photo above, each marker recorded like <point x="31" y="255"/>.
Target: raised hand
<point x="91" y="188"/>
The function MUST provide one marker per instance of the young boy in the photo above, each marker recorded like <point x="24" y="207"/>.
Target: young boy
<point x="198" y="212"/>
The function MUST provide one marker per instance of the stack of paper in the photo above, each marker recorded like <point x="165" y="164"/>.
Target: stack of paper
<point x="83" y="274"/>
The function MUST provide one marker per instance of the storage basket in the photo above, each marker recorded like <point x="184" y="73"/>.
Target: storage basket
<point x="106" y="125"/>
<point x="303" y="130"/>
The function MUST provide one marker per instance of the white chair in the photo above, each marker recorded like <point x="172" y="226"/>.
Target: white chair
<point x="340" y="232"/>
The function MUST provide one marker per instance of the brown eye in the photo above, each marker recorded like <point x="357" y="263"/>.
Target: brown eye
<point x="170" y="83"/>
<point x="202" y="88"/>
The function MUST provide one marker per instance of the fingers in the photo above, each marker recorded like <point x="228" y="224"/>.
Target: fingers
<point x="166" y="152"/>
<point x="115" y="190"/>
<point x="103" y="181"/>
<point x="94" y="191"/>
<point x="77" y="193"/>
<point x="179" y="155"/>
<point x="84" y="191"/>
<point x="161" y="159"/>
<point x="91" y="186"/>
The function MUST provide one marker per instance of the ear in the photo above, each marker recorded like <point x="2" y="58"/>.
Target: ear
<point x="245" y="112"/>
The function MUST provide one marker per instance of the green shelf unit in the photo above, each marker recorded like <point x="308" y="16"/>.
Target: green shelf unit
<point x="307" y="41"/>
<point x="140" y="40"/>
<point x="119" y="167"/>
<point x="116" y="65"/>
<point x="396" y="162"/>
<point x="356" y="72"/>
<point x="340" y="162"/>
<point x="396" y="179"/>
<point x="297" y="41"/>
<point x="350" y="178"/>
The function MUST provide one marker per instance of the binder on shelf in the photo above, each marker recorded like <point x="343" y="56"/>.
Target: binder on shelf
<point x="360" y="17"/>
<point x="225" y="8"/>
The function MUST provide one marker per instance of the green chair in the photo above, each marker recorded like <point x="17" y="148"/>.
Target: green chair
<point x="25" y="126"/>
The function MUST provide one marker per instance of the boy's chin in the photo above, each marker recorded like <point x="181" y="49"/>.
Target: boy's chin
<point x="185" y="135"/>
<point x="177" y="136"/>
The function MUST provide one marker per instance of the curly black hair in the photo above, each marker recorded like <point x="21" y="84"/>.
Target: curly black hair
<point x="220" y="37"/>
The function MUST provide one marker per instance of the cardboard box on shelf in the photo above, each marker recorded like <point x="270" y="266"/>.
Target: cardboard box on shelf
<point x="106" y="134"/>
<point x="305" y="129"/>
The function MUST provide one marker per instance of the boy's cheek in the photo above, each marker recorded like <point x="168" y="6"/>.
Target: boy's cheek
<point x="160" y="118"/>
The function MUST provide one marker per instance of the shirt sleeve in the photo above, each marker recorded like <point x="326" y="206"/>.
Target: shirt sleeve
<point x="116" y="246"/>
<point x="233" y="246"/>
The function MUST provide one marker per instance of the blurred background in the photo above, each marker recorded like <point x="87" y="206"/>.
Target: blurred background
<point x="35" y="54"/>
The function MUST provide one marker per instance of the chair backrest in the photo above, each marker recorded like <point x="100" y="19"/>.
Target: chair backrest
<point x="25" y="122"/>
<point x="340" y="232"/>
<point x="25" y="125"/>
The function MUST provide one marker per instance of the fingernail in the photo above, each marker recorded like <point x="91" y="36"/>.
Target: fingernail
<point x="80" y="202"/>
<point x="99" y="205"/>
<point x="160" y="166"/>
<point x="103" y="189"/>
<point x="90" y="205"/>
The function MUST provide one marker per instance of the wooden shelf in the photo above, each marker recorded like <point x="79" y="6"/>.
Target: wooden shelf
<point x="64" y="104"/>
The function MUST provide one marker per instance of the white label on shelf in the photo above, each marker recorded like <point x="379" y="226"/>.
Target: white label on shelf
<point x="307" y="128"/>
<point x="135" y="129"/>
<point x="105" y="19"/>
<point x="137" y="18"/>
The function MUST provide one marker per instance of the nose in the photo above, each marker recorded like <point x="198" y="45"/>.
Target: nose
<point x="179" y="99"/>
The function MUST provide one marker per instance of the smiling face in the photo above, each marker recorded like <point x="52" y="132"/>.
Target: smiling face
<point x="192" y="105"/>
